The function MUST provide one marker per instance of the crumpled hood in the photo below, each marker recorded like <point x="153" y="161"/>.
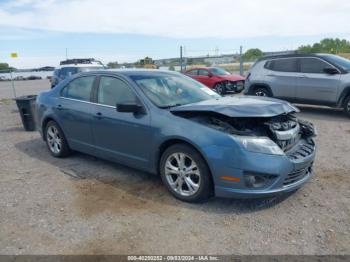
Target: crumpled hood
<point x="241" y="106"/>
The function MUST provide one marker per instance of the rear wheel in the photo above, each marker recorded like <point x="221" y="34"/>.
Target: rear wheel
<point x="220" y="88"/>
<point x="55" y="140"/>
<point x="185" y="173"/>
<point x="262" y="91"/>
<point x="347" y="106"/>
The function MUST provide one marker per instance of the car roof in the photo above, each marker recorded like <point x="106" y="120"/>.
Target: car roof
<point x="81" y="65"/>
<point x="130" y="72"/>
<point x="203" y="67"/>
<point x="291" y="56"/>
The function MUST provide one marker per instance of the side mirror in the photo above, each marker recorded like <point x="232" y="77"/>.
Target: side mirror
<point x="129" y="108"/>
<point x="331" y="70"/>
<point x="210" y="75"/>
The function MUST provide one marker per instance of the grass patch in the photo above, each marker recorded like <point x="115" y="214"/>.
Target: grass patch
<point x="5" y="101"/>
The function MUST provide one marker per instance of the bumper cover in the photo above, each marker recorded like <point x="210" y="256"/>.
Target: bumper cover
<point x="289" y="173"/>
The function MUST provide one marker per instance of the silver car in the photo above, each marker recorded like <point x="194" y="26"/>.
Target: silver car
<point x="318" y="79"/>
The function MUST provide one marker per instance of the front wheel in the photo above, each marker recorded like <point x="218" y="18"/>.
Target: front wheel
<point x="185" y="174"/>
<point x="220" y="88"/>
<point x="262" y="91"/>
<point x="347" y="106"/>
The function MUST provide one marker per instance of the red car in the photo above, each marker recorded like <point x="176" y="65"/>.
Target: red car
<point x="217" y="78"/>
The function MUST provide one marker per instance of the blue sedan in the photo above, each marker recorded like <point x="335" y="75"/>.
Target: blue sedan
<point x="162" y="122"/>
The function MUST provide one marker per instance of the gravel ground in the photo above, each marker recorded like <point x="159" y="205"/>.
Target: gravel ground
<point x="28" y="87"/>
<point x="82" y="205"/>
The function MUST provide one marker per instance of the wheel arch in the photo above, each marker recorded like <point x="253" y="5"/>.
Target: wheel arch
<point x="342" y="98"/>
<point x="46" y="120"/>
<point x="173" y="141"/>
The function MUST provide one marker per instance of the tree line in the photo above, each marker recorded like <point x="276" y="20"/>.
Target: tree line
<point x="327" y="45"/>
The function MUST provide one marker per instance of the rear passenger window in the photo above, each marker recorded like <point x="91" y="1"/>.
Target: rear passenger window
<point x="282" y="65"/>
<point x="312" y="65"/>
<point x="113" y="91"/>
<point x="79" y="88"/>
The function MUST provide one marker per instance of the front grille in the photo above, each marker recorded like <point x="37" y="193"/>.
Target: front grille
<point x="305" y="149"/>
<point x="297" y="176"/>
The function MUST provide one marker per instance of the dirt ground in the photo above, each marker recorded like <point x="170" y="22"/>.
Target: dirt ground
<point x="82" y="205"/>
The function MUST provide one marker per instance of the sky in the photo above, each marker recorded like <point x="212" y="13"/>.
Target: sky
<point x="44" y="32"/>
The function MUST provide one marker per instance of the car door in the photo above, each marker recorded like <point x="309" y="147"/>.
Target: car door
<point x="281" y="77"/>
<point x="314" y="84"/>
<point x="205" y="78"/>
<point x="120" y="136"/>
<point x="74" y="113"/>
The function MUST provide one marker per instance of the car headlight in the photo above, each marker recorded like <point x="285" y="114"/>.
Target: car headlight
<point x="260" y="145"/>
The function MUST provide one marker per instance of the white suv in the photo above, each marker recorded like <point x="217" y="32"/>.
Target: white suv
<point x="73" y="66"/>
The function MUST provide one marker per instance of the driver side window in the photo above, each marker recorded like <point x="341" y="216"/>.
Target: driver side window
<point x="312" y="65"/>
<point x="113" y="91"/>
<point x="203" y="72"/>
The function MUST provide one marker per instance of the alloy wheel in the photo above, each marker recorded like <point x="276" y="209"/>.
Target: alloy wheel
<point x="219" y="89"/>
<point x="260" y="93"/>
<point x="182" y="174"/>
<point x="54" y="139"/>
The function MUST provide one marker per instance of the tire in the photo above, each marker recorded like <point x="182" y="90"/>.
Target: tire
<point x="347" y="106"/>
<point x="220" y="88"/>
<point x="195" y="185"/>
<point x="262" y="91"/>
<point x="55" y="140"/>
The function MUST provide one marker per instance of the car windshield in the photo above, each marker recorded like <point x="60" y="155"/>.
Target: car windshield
<point x="219" y="71"/>
<point x="340" y="61"/>
<point x="168" y="90"/>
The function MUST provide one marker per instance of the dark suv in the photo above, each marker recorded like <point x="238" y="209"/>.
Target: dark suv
<point x="319" y="79"/>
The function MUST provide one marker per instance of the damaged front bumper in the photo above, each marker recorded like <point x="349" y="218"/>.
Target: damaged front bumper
<point x="280" y="174"/>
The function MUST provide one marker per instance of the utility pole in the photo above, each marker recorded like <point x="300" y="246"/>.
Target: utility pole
<point x="66" y="53"/>
<point x="13" y="84"/>
<point x="181" y="59"/>
<point x="241" y="60"/>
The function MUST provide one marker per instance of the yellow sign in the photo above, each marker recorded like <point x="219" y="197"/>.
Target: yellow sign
<point x="14" y="55"/>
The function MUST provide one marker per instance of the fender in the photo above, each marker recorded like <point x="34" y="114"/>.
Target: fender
<point x="45" y="119"/>
<point x="343" y="95"/>
<point x="168" y="141"/>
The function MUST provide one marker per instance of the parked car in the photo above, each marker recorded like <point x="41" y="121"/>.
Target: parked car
<point x="217" y="78"/>
<point x="73" y="66"/>
<point x="33" y="78"/>
<point x="319" y="79"/>
<point x="166" y="123"/>
<point x="19" y="78"/>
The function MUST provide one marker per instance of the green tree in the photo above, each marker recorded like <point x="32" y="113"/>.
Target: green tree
<point x="5" y="66"/>
<point x="113" y="64"/>
<point x="327" y="45"/>
<point x="252" y="54"/>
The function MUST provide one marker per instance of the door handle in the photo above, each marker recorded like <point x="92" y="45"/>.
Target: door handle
<point x="304" y="76"/>
<point x="98" y="115"/>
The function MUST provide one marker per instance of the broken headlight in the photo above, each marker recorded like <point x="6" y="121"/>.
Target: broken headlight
<point x="262" y="145"/>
